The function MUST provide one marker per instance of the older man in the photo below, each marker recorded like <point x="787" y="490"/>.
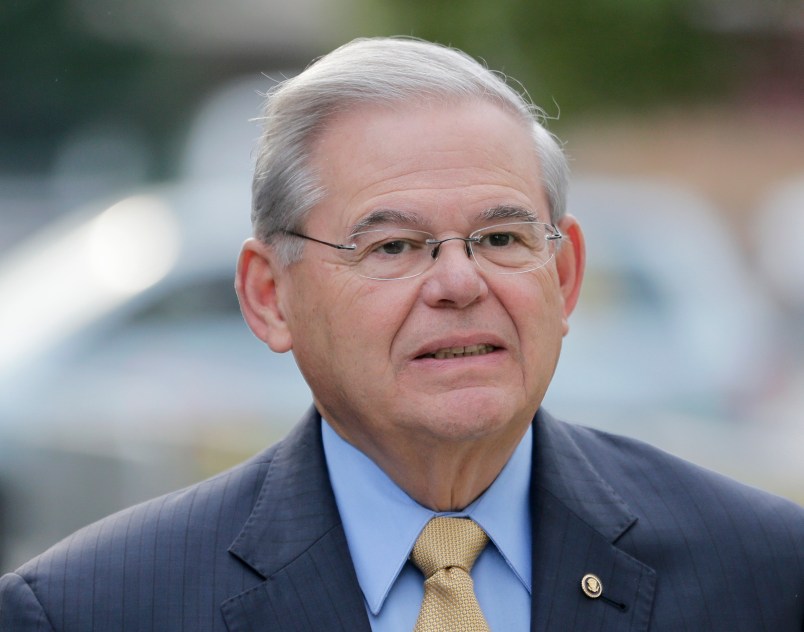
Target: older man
<point x="411" y="249"/>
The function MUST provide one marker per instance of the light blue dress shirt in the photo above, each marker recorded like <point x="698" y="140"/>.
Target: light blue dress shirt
<point x="382" y="523"/>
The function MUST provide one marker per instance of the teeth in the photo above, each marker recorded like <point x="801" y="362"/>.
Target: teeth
<point x="460" y="352"/>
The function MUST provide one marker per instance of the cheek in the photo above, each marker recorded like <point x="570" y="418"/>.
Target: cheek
<point x="350" y="327"/>
<point x="379" y="309"/>
<point x="537" y="314"/>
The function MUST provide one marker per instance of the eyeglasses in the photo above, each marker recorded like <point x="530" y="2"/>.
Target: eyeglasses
<point x="399" y="253"/>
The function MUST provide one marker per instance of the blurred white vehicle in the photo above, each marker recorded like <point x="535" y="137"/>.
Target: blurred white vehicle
<point x="779" y="232"/>
<point x="670" y="315"/>
<point x="126" y="366"/>
<point x="674" y="340"/>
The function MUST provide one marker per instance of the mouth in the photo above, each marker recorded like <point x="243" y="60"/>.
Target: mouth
<point x="447" y="353"/>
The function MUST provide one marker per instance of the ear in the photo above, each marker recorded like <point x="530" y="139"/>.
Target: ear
<point x="570" y="263"/>
<point x="258" y="289"/>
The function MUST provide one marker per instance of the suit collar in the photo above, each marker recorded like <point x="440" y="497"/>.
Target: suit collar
<point x="578" y="519"/>
<point x="295" y="540"/>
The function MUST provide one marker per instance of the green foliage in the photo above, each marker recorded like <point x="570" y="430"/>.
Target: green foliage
<point x="579" y="54"/>
<point x="51" y="72"/>
<point x="56" y="76"/>
<point x="573" y="56"/>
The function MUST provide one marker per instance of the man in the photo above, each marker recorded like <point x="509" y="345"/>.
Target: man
<point x="412" y="250"/>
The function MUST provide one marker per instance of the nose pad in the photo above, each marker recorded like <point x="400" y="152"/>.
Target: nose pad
<point x="467" y="244"/>
<point x="457" y="264"/>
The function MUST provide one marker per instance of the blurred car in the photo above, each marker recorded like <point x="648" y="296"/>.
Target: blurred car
<point x="779" y="240"/>
<point x="124" y="381"/>
<point x="675" y="340"/>
<point x="126" y="368"/>
<point x="668" y="303"/>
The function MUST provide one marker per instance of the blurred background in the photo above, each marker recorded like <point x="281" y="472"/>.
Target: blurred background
<point x="125" y="139"/>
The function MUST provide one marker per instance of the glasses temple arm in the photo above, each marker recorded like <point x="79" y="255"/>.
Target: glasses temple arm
<point x="319" y="241"/>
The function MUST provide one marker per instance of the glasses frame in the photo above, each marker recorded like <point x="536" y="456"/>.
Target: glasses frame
<point x="553" y="234"/>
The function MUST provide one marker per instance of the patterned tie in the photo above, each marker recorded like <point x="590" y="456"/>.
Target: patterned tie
<point x="445" y="552"/>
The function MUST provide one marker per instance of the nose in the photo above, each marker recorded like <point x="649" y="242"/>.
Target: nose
<point x="454" y="280"/>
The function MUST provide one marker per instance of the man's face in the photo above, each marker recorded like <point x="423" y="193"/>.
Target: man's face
<point x="367" y="347"/>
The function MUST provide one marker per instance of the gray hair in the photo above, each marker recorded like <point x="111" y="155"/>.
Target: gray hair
<point x="376" y="71"/>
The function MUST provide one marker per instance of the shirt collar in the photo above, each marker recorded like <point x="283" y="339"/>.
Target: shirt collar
<point x="382" y="522"/>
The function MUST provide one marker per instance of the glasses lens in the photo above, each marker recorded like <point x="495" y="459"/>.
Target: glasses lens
<point x="514" y="247"/>
<point x="391" y="254"/>
<point x="400" y="253"/>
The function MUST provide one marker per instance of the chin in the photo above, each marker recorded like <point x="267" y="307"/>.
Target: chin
<point x="468" y="414"/>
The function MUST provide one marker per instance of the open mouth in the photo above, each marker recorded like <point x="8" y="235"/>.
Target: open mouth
<point x="460" y="352"/>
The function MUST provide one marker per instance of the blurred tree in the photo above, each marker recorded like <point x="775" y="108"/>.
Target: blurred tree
<point x="583" y="55"/>
<point x="51" y="74"/>
<point x="575" y="56"/>
<point x="56" y="76"/>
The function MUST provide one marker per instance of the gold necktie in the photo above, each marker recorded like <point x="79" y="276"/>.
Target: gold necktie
<point x="445" y="552"/>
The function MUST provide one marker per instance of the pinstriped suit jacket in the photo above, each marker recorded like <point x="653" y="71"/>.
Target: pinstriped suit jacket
<point x="261" y="547"/>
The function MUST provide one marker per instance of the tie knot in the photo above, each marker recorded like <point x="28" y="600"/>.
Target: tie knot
<point x="448" y="542"/>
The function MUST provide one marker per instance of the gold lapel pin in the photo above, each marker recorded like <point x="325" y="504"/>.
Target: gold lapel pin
<point x="591" y="586"/>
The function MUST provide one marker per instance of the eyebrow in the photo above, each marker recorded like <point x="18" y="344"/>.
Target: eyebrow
<point x="384" y="216"/>
<point x="508" y="211"/>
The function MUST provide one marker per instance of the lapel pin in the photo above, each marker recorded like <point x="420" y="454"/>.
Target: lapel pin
<point x="591" y="586"/>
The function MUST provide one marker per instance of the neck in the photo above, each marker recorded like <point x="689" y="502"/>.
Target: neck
<point x="443" y="475"/>
<point x="448" y="484"/>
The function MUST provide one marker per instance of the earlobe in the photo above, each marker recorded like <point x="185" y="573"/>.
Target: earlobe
<point x="570" y="263"/>
<point x="257" y="285"/>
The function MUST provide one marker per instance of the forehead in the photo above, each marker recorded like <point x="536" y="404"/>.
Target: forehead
<point x="439" y="161"/>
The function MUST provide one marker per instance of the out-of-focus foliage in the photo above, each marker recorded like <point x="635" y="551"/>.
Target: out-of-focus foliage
<point x="52" y="75"/>
<point x="584" y="54"/>
<point x="575" y="56"/>
<point x="56" y="76"/>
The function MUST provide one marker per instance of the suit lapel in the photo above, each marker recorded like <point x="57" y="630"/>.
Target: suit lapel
<point x="578" y="519"/>
<point x="295" y="540"/>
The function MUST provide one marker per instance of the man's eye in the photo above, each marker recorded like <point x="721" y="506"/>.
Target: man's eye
<point x="396" y="247"/>
<point x="499" y="240"/>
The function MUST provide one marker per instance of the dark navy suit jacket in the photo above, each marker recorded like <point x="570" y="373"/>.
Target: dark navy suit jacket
<point x="261" y="547"/>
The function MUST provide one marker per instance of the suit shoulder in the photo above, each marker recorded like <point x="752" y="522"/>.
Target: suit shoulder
<point x="720" y="551"/>
<point x="659" y="484"/>
<point x="209" y="510"/>
<point x="135" y="560"/>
